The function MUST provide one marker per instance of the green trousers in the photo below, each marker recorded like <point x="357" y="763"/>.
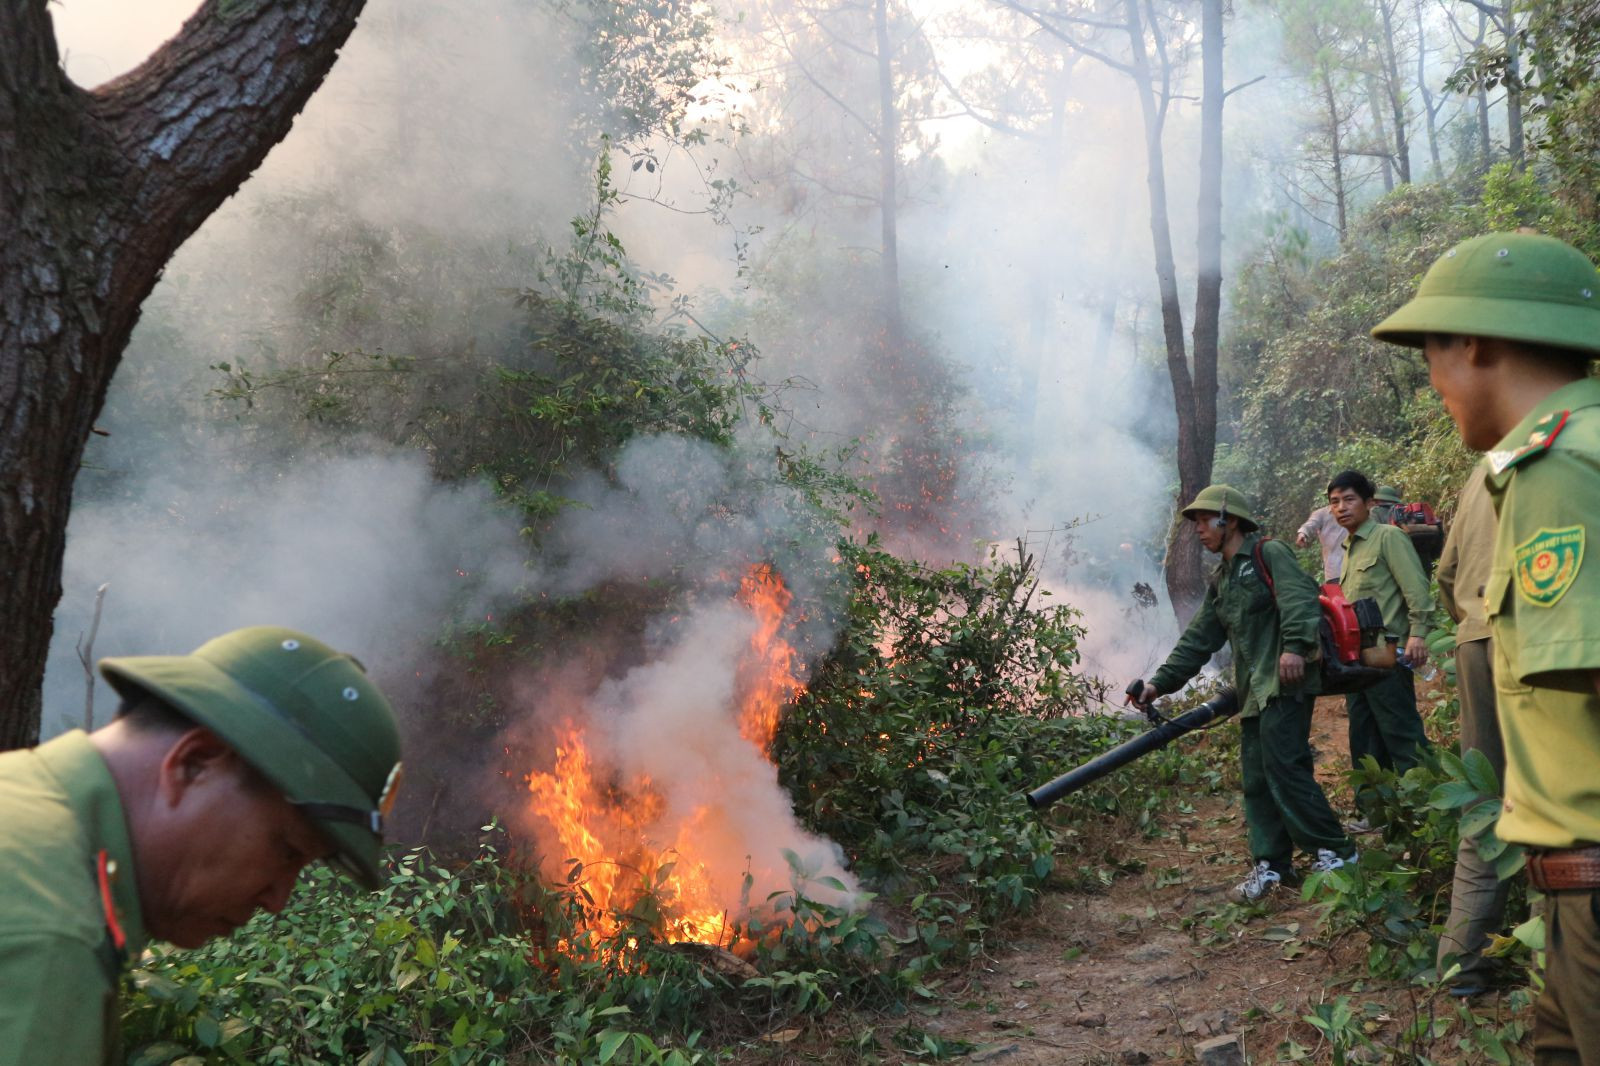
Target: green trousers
<point x="1283" y="804"/>
<point x="1566" y="1019"/>
<point x="1477" y="895"/>
<point x="1384" y="724"/>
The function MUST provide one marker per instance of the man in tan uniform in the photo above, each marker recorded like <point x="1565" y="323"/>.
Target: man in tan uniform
<point x="1380" y="562"/>
<point x="224" y="773"/>
<point x="1477" y="896"/>
<point x="1508" y="323"/>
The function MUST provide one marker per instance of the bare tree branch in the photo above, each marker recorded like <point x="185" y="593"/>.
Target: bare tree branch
<point x="1244" y="85"/>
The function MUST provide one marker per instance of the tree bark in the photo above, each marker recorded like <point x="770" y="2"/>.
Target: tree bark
<point x="1331" y="99"/>
<point x="97" y="190"/>
<point x="1194" y="465"/>
<point x="1514" y="135"/>
<point x="1182" y="568"/>
<point x="1429" y="114"/>
<point x="1397" y="106"/>
<point x="1485" y="145"/>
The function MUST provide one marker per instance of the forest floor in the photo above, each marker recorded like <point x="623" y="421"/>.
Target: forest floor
<point x="1158" y="962"/>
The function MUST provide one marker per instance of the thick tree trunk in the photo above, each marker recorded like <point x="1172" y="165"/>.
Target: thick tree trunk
<point x="888" y="166"/>
<point x="1514" y="135"/>
<point x="1182" y="568"/>
<point x="1185" y="577"/>
<point x="97" y="190"/>
<point x="1485" y="145"/>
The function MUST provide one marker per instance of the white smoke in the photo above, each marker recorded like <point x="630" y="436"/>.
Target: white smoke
<point x="673" y="721"/>
<point x="367" y="553"/>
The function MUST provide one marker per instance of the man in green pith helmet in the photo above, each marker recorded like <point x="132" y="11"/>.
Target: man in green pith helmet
<point x="1384" y="503"/>
<point x="224" y="773"/>
<point x="1261" y="602"/>
<point x="1508" y="324"/>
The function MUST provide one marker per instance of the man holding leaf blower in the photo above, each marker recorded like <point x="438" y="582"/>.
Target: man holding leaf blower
<point x="1266" y="607"/>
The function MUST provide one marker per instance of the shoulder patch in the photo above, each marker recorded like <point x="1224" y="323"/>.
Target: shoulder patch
<point x="1546" y="564"/>
<point x="1544" y="434"/>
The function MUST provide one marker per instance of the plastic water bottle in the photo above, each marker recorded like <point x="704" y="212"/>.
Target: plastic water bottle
<point x="1427" y="672"/>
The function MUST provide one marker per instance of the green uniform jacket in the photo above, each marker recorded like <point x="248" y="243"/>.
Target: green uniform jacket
<point x="1380" y="562"/>
<point x="1543" y="600"/>
<point x="1464" y="564"/>
<point x="1239" y="609"/>
<point x="59" y="968"/>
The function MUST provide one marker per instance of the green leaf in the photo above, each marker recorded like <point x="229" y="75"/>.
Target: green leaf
<point x="1480" y="772"/>
<point x="206" y="1031"/>
<point x="1479" y="818"/>
<point x="1531" y="933"/>
<point x="610" y="1041"/>
<point x="157" y="1054"/>
<point x="1453" y="794"/>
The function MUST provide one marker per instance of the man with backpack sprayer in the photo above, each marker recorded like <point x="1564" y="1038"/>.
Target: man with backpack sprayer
<point x="1379" y="562"/>
<point x="1271" y="618"/>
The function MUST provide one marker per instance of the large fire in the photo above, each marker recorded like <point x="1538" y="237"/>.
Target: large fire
<point x="621" y="831"/>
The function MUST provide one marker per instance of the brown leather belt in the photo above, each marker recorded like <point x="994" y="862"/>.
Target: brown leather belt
<point x="1565" y="868"/>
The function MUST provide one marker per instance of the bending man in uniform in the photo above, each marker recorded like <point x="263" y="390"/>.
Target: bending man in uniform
<point x="1508" y="324"/>
<point x="224" y="773"/>
<point x="1380" y="562"/>
<point x="1271" y="620"/>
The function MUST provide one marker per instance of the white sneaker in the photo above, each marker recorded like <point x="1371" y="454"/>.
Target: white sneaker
<point x="1327" y="860"/>
<point x="1262" y="879"/>
<point x="1357" y="826"/>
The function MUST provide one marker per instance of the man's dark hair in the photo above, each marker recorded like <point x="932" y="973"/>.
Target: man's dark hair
<point x="1355" y="481"/>
<point x="145" y="712"/>
<point x="1547" y="352"/>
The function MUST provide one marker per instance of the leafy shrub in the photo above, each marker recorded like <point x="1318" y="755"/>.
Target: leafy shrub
<point x="949" y="694"/>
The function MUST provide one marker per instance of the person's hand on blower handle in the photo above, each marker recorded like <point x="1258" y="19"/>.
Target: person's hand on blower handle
<point x="1141" y="694"/>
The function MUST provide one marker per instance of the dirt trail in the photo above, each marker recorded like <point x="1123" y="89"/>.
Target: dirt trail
<point x="1135" y="974"/>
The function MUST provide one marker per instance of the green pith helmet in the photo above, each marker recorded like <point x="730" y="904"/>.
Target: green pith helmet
<point x="302" y="714"/>
<point x="1514" y="286"/>
<point x="1226" y="501"/>
<point x="1387" y="494"/>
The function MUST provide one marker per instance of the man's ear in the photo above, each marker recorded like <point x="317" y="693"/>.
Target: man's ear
<point x="1481" y="351"/>
<point x="193" y="757"/>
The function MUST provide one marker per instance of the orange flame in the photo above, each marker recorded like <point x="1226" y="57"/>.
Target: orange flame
<point x="615" y="829"/>
<point x="768" y="676"/>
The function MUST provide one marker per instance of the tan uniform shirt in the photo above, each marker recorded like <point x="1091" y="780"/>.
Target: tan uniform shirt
<point x="59" y="967"/>
<point x="1380" y="562"/>
<point x="1543" y="601"/>
<point x="1465" y="562"/>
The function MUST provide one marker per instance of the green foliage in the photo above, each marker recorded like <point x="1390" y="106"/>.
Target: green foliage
<point x="1315" y="393"/>
<point x="949" y="693"/>
<point x="579" y="364"/>
<point x="1553" y="64"/>
<point x="1399" y="893"/>
<point x="437" y="967"/>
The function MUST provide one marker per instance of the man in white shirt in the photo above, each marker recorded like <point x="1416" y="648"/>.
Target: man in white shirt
<point x="1331" y="534"/>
